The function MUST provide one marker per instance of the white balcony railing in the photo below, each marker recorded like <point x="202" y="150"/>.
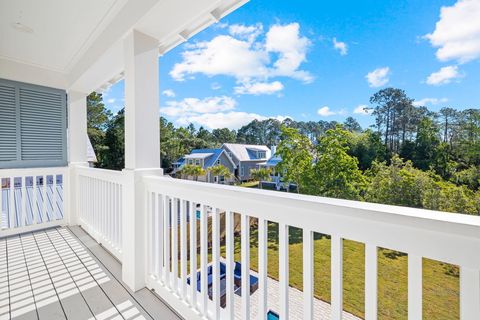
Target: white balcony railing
<point x="184" y="218"/>
<point x="99" y="206"/>
<point x="174" y="206"/>
<point x="32" y="199"/>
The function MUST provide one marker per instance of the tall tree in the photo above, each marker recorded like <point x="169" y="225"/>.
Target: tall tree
<point x="297" y="153"/>
<point x="336" y="172"/>
<point x="98" y="117"/>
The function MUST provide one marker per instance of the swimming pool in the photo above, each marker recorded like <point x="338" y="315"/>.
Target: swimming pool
<point x="272" y="315"/>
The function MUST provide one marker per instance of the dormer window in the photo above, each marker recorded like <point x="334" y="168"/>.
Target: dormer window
<point x="261" y="154"/>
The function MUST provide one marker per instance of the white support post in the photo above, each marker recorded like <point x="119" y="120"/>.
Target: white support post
<point x="77" y="150"/>
<point x="142" y="149"/>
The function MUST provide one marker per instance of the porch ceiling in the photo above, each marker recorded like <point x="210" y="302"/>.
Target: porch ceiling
<point x="77" y="45"/>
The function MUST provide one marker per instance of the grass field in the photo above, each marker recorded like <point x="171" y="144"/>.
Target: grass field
<point x="440" y="280"/>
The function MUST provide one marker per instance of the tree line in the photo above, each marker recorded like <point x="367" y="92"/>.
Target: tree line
<point x="407" y="146"/>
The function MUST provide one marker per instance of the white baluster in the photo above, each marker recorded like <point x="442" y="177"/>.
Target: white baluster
<point x="245" y="242"/>
<point x="283" y="269"/>
<point x="229" y="234"/>
<point x="175" y="243"/>
<point x="216" y="262"/>
<point x="469" y="294"/>
<point x="183" y="249"/>
<point x="307" y="274"/>
<point x="166" y="240"/>
<point x="204" y="259"/>
<point x="414" y="287"/>
<point x="193" y="255"/>
<point x="337" y="277"/>
<point x="371" y="274"/>
<point x="262" y="268"/>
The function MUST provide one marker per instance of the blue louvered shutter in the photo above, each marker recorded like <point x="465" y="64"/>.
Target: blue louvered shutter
<point x="35" y="126"/>
<point x="8" y="124"/>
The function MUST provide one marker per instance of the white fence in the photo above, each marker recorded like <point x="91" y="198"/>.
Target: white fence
<point x="99" y="206"/>
<point x="32" y="199"/>
<point x="174" y="206"/>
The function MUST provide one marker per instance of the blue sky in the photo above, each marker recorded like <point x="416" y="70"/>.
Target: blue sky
<point x="320" y="60"/>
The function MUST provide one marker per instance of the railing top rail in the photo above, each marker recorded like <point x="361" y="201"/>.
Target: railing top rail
<point x="434" y="234"/>
<point x="21" y="172"/>
<point x="103" y="174"/>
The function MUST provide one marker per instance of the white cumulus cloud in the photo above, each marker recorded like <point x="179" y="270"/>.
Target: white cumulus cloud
<point x="168" y="93"/>
<point x="259" y="88"/>
<point x="189" y="106"/>
<point x="444" y="75"/>
<point x="244" y="55"/>
<point x="340" y="46"/>
<point x="362" y="110"/>
<point x="378" y="77"/>
<point x="429" y="101"/>
<point x="111" y="100"/>
<point x="457" y="32"/>
<point x="325" y="112"/>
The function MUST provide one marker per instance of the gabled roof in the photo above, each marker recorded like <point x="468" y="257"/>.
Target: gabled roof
<point x="273" y="161"/>
<point x="198" y="155"/>
<point x="246" y="152"/>
<point x="210" y="156"/>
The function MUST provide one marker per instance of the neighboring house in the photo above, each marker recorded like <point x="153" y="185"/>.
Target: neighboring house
<point x="246" y="157"/>
<point x="91" y="157"/>
<point x="207" y="158"/>
<point x="276" y="180"/>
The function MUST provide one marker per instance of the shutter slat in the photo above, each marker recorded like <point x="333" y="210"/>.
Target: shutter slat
<point x="8" y="124"/>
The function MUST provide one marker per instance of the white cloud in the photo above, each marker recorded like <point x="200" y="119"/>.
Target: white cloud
<point x="429" y="101"/>
<point x="168" y="93"/>
<point x="325" y="112"/>
<point x="216" y="86"/>
<point x="378" y="77"/>
<point x="457" y="33"/>
<point x="444" y="75"/>
<point x="363" y="110"/>
<point x="243" y="56"/>
<point x="231" y="120"/>
<point x="111" y="100"/>
<point x="259" y="88"/>
<point x="191" y="106"/>
<point x="340" y="46"/>
<point x="246" y="32"/>
<point x="285" y="40"/>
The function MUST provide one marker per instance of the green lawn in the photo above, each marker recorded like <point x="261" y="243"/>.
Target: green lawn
<point x="440" y="281"/>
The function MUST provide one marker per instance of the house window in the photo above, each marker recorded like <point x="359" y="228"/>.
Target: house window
<point x="190" y="161"/>
<point x="261" y="154"/>
<point x="222" y="179"/>
<point x="242" y="171"/>
<point x="217" y="162"/>
<point x="197" y="162"/>
<point x="230" y="154"/>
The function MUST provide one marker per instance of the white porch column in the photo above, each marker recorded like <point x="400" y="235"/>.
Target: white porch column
<point x="142" y="149"/>
<point x="77" y="147"/>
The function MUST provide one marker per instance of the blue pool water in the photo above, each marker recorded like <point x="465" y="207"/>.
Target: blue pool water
<point x="198" y="214"/>
<point x="272" y="316"/>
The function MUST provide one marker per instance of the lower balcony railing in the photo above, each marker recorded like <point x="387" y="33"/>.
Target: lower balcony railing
<point x="195" y="263"/>
<point x="32" y="199"/>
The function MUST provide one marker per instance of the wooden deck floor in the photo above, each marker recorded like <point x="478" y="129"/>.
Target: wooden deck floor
<point x="62" y="273"/>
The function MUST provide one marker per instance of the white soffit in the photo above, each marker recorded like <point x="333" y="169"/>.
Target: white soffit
<point x="52" y="34"/>
<point x="78" y="44"/>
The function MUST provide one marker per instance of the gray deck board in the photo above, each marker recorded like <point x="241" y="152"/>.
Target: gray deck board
<point x="62" y="273"/>
<point x="153" y="306"/>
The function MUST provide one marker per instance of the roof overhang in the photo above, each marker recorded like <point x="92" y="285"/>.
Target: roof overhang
<point x="78" y="45"/>
<point x="198" y="155"/>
